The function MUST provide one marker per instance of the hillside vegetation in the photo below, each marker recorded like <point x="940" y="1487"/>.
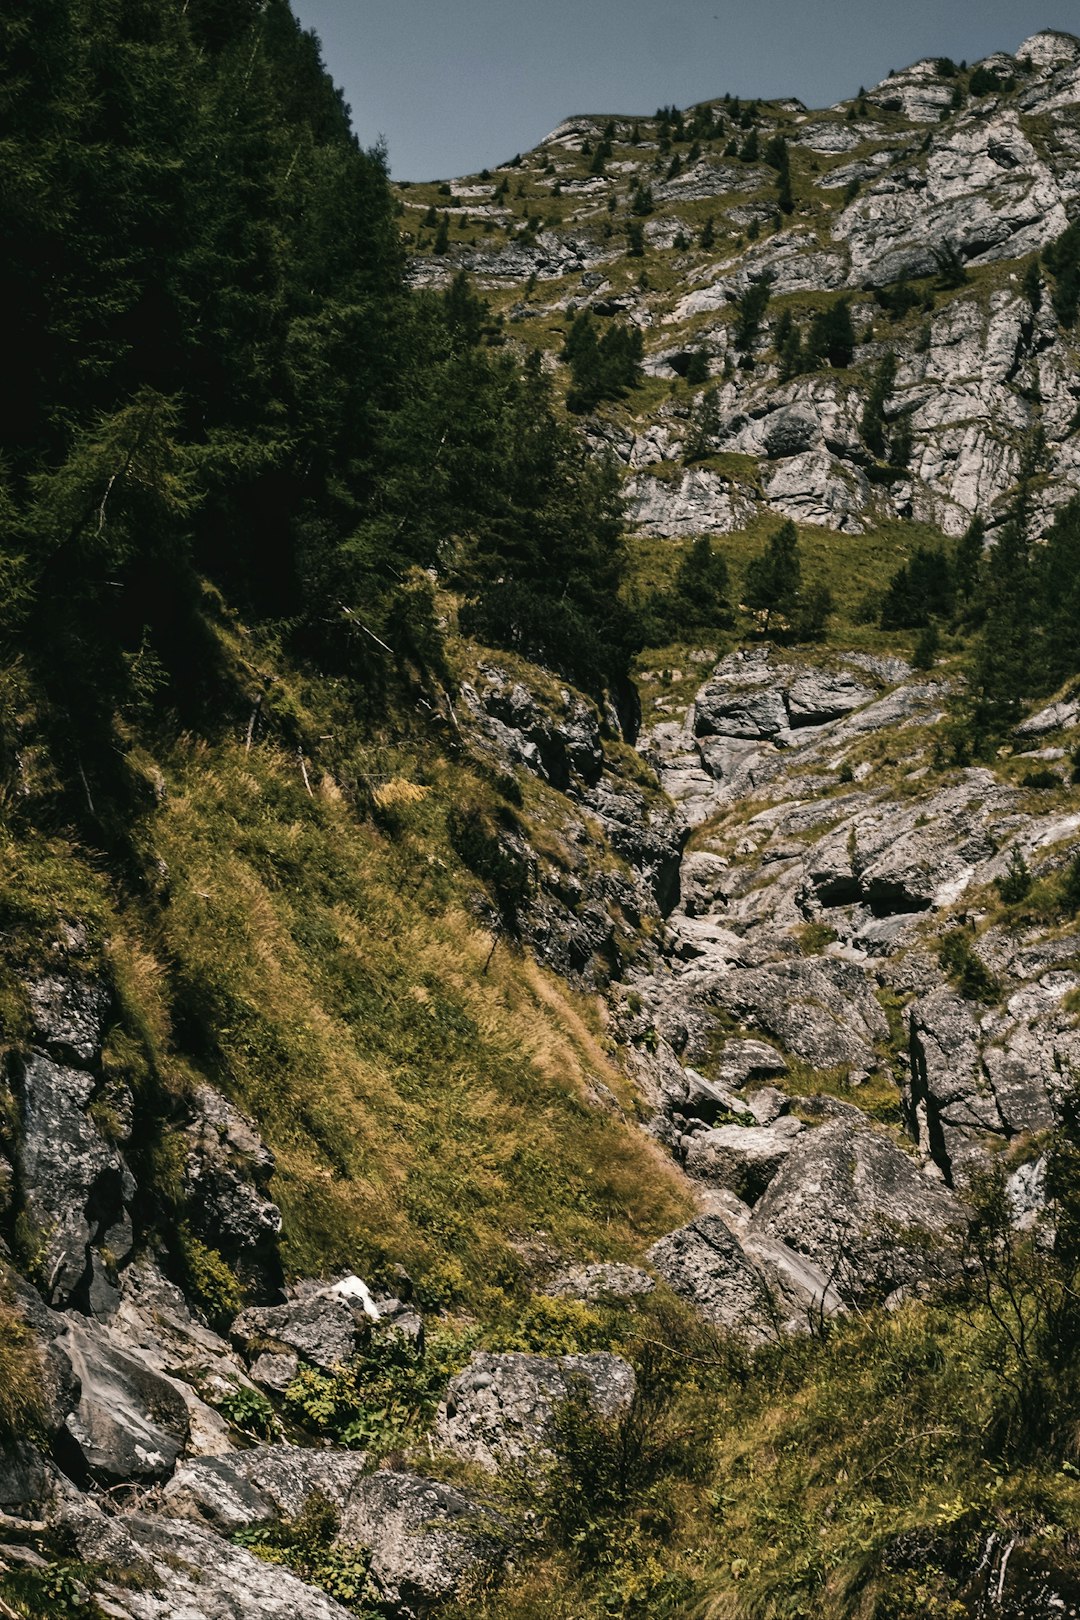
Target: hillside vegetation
<point x="501" y="762"/>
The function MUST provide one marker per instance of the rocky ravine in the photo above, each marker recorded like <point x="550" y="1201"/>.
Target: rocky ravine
<point x="797" y="967"/>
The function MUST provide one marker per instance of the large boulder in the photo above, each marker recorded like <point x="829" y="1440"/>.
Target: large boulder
<point x="429" y="1542"/>
<point x="501" y="1409"/>
<point x="75" y="1186"/>
<point x="184" y="1571"/>
<point x="861" y="1209"/>
<point x="756" y="1289"/>
<point x="743" y="1158"/>
<point x="267" y="1482"/>
<point x="321" y="1327"/>
<point x="130" y="1423"/>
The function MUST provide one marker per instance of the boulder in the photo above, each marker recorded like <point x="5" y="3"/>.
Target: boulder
<point x="429" y="1542"/>
<point x="742" y="1158"/>
<point x="266" y="1482"/>
<point x="130" y="1424"/>
<point x="820" y="1008"/>
<point x="226" y="1181"/>
<point x="75" y="1185"/>
<point x="735" y="1280"/>
<point x="499" y="1411"/>
<point x="68" y="1017"/>
<point x="816" y="697"/>
<point x="184" y="1571"/>
<point x="601" y="1280"/>
<point x="851" y="1200"/>
<point x="322" y="1327"/>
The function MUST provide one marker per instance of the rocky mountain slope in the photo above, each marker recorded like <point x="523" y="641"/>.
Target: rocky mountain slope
<point x="554" y="1160"/>
<point x="944" y="183"/>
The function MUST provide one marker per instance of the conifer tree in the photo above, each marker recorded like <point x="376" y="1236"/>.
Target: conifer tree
<point x="773" y="579"/>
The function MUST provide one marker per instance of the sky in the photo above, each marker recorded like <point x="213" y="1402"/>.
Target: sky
<point x="458" y="85"/>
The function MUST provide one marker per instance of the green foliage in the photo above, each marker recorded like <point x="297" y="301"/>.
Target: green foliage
<point x="1070" y="887"/>
<point x="59" y="1591"/>
<point x="968" y="558"/>
<point x="697" y="600"/>
<point x="873" y="416"/>
<point x="774" y="579"/>
<point x="386" y="1396"/>
<point x="950" y="267"/>
<point x="249" y="1410"/>
<point x="641" y="199"/>
<point x="750" y="312"/>
<point x="601" y="367"/>
<point x="208" y="1279"/>
<point x="21" y="1388"/>
<point x="707" y="237"/>
<point x="920" y="590"/>
<point x="1062" y="259"/>
<point x="697" y="371"/>
<point x="1015" y="884"/>
<point x="704" y="427"/>
<point x="308" y="1546"/>
<point x="965" y="967"/>
<point x="832" y="335"/>
<point x="927" y="647"/>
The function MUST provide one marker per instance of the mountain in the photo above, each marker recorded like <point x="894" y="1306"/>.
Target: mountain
<point x="539" y="811"/>
<point x="924" y="203"/>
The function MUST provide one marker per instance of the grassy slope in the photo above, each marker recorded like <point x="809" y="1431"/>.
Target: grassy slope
<point x="328" y="969"/>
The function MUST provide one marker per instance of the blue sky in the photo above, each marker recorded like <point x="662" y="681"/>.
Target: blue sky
<point x="455" y="85"/>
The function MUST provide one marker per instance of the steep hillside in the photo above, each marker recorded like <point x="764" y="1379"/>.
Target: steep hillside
<point x="922" y="205"/>
<point x="539" y="1070"/>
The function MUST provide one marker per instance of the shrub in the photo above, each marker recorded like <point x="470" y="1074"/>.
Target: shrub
<point x="966" y="968"/>
<point x="20" y="1376"/>
<point x="306" y="1545"/>
<point x="208" y="1279"/>
<point x="1015" y="885"/>
<point x="1070" y="887"/>
<point x="387" y="1394"/>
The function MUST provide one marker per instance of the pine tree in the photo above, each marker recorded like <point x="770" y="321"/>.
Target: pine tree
<point x="750" y="312"/>
<point x="873" y="416"/>
<point x="968" y="558"/>
<point x="772" y="580"/>
<point x="832" y="335"/>
<point x="707" y="239"/>
<point x="1004" y="666"/>
<point x="704" y="429"/>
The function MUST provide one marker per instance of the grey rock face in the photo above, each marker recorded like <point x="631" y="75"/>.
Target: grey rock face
<point x="499" y="1411"/>
<point x="753" y="1287"/>
<point x="820" y="1008"/>
<point x="323" y="1328"/>
<point x="698" y="501"/>
<point x="226" y="1178"/>
<point x="601" y="1280"/>
<point x="74" y="1183"/>
<point x="742" y="1158"/>
<point x="860" y="1209"/>
<point x="69" y="1017"/>
<point x="130" y="1422"/>
<point x="196" y="1575"/>
<point x="25" y="1478"/>
<point x="428" y="1541"/>
<point x="965" y="1087"/>
<point x="264" y="1483"/>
